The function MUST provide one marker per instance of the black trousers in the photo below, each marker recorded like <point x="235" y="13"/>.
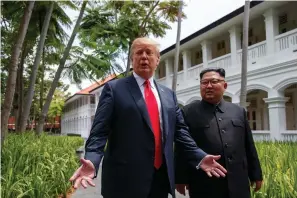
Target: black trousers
<point x="160" y="187"/>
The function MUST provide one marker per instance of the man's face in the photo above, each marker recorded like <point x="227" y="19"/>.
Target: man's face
<point x="145" y="59"/>
<point x="212" y="87"/>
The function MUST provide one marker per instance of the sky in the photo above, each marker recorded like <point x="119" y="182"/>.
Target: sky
<point x="200" y="13"/>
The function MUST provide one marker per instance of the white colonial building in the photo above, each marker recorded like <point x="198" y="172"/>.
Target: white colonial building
<point x="79" y="110"/>
<point x="272" y="65"/>
<point x="272" y="69"/>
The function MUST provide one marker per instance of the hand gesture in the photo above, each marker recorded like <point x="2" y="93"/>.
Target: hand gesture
<point x="181" y="188"/>
<point x="84" y="174"/>
<point x="211" y="167"/>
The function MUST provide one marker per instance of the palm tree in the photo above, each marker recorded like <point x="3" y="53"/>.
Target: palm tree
<point x="30" y="94"/>
<point x="54" y="84"/>
<point x="49" y="19"/>
<point x="176" y="60"/>
<point x="13" y="66"/>
<point x="245" y="37"/>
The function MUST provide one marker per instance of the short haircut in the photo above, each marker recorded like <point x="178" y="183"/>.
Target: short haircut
<point x="220" y="71"/>
<point x="145" y="40"/>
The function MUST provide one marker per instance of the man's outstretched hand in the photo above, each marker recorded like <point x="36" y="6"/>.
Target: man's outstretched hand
<point x="211" y="167"/>
<point x="84" y="174"/>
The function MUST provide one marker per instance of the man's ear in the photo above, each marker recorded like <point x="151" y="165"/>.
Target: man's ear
<point x="225" y="85"/>
<point x="158" y="60"/>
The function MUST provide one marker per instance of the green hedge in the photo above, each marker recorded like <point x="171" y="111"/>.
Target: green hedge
<point x="38" y="167"/>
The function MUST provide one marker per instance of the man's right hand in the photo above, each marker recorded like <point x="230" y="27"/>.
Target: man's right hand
<point x="84" y="174"/>
<point x="181" y="188"/>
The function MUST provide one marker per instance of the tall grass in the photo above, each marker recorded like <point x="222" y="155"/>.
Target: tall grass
<point x="37" y="167"/>
<point x="279" y="165"/>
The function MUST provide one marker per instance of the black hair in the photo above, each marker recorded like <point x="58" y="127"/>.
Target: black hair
<point x="220" y="71"/>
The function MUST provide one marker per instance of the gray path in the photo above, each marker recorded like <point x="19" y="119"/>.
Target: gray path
<point x="95" y="192"/>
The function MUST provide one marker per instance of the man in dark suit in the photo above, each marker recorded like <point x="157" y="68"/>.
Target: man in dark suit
<point x="141" y="120"/>
<point x="221" y="128"/>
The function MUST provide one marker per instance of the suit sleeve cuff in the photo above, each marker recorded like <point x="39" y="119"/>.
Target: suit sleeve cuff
<point x="95" y="158"/>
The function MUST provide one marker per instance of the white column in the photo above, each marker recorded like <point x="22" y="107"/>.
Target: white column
<point x="277" y="116"/>
<point x="259" y="110"/>
<point x="186" y="62"/>
<point x="169" y="70"/>
<point x="206" y="52"/>
<point x="295" y="106"/>
<point x="234" y="43"/>
<point x="272" y="29"/>
<point x="265" y="117"/>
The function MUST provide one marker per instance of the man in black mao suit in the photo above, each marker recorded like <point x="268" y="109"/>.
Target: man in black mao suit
<point x="221" y="128"/>
<point x="141" y="120"/>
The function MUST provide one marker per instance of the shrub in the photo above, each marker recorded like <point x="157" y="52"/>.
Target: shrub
<point x="38" y="167"/>
<point x="279" y="166"/>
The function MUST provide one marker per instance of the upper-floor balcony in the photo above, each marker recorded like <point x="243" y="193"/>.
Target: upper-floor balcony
<point x="272" y="40"/>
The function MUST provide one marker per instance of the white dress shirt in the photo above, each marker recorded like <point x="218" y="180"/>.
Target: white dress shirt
<point x="140" y="81"/>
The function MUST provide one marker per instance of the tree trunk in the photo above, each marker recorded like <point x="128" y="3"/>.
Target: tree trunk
<point x="42" y="80"/>
<point x="21" y="97"/>
<point x="54" y="84"/>
<point x="33" y="75"/>
<point x="128" y="60"/>
<point x="176" y="60"/>
<point x="245" y="37"/>
<point x="13" y="66"/>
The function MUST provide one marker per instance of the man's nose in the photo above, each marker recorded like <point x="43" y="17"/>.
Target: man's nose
<point x="209" y="84"/>
<point x="144" y="55"/>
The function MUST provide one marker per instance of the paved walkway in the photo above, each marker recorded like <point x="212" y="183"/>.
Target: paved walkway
<point x="95" y="192"/>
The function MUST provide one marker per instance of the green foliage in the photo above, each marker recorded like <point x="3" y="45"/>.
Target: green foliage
<point x="57" y="104"/>
<point x="279" y="165"/>
<point x="109" y="27"/>
<point x="38" y="166"/>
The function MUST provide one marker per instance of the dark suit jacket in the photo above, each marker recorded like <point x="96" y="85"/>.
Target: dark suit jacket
<point x="122" y="119"/>
<point x="221" y="130"/>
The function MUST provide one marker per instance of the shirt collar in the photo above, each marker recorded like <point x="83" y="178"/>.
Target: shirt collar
<point x="140" y="80"/>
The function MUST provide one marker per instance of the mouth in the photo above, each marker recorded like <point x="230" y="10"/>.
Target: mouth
<point x="144" y="65"/>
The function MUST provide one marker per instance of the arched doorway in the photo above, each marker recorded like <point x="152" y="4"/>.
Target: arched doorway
<point x="291" y="106"/>
<point x="257" y="110"/>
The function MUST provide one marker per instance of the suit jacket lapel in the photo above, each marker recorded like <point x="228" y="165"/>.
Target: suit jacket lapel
<point x="163" y="108"/>
<point x="138" y="98"/>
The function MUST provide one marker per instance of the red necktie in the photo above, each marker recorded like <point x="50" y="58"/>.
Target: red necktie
<point x="152" y="107"/>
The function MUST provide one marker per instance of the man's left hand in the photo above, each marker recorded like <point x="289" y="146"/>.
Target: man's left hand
<point x="258" y="185"/>
<point x="211" y="167"/>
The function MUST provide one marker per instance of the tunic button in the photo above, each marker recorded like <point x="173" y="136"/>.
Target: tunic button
<point x="223" y="131"/>
<point x="226" y="145"/>
<point x="220" y="119"/>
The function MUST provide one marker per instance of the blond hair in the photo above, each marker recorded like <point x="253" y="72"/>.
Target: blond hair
<point x="145" y="40"/>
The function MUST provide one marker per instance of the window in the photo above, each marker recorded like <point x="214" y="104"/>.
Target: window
<point x="251" y="33"/>
<point x="283" y="19"/>
<point x="181" y="63"/>
<point x="221" y="45"/>
<point x="92" y="98"/>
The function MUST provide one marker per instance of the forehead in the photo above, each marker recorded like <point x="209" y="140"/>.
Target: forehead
<point x="212" y="74"/>
<point x="144" y="46"/>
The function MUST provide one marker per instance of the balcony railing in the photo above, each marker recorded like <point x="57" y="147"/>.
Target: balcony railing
<point x="254" y="52"/>
<point x="222" y="61"/>
<point x="286" y="41"/>
<point x="194" y="72"/>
